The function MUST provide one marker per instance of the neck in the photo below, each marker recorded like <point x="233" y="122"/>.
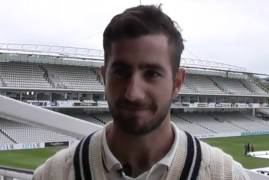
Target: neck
<point x="139" y="153"/>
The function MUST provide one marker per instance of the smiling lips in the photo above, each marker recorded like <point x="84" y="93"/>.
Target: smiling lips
<point x="134" y="107"/>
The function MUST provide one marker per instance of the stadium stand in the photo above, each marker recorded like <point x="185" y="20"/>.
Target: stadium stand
<point x="202" y="84"/>
<point x="242" y="121"/>
<point x="22" y="75"/>
<point x="21" y="133"/>
<point x="205" y="84"/>
<point x="201" y="123"/>
<point x="254" y="87"/>
<point x="4" y="139"/>
<point x="69" y="79"/>
<point x="45" y="76"/>
<point x="90" y="118"/>
<point x="210" y="123"/>
<point x="104" y="117"/>
<point x="189" y="126"/>
<point x="27" y="75"/>
<point x="231" y="86"/>
<point x="187" y="87"/>
<point x="214" y="123"/>
<point x="48" y="76"/>
<point x="73" y="77"/>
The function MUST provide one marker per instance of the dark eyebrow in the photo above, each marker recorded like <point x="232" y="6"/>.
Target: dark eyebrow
<point x="120" y="65"/>
<point x="152" y="66"/>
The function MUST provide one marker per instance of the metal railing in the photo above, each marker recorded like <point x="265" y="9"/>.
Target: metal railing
<point x="84" y="53"/>
<point x="57" y="50"/>
<point x="200" y="63"/>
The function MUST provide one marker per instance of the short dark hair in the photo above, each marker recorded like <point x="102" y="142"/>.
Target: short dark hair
<point x="144" y="20"/>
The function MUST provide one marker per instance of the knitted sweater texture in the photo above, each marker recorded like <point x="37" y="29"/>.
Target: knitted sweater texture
<point x="215" y="164"/>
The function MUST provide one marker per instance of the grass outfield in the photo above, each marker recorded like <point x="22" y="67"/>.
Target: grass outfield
<point x="30" y="159"/>
<point x="235" y="147"/>
<point x="26" y="159"/>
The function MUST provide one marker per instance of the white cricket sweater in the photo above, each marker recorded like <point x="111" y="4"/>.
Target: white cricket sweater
<point x="215" y="164"/>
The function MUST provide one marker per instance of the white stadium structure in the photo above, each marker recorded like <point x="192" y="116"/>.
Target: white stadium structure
<point x="54" y="94"/>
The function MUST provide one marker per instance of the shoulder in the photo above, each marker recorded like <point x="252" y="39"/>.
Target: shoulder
<point x="215" y="162"/>
<point x="239" y="172"/>
<point x="59" y="166"/>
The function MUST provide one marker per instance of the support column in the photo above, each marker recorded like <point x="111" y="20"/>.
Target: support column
<point x="8" y="178"/>
<point x="253" y="112"/>
<point x="20" y="95"/>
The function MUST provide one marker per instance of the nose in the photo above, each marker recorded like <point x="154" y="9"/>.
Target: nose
<point x="135" y="91"/>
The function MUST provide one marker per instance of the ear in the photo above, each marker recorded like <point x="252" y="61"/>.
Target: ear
<point x="178" y="82"/>
<point x="103" y="73"/>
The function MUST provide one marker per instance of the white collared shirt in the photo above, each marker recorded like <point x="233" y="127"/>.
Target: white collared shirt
<point x="105" y="166"/>
<point x="158" y="171"/>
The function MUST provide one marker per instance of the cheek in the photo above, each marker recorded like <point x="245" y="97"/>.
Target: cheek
<point x="164" y="93"/>
<point x="113" y="89"/>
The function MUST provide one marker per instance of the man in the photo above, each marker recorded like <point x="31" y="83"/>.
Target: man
<point x="141" y="74"/>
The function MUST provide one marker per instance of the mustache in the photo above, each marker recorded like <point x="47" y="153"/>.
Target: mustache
<point x="123" y="103"/>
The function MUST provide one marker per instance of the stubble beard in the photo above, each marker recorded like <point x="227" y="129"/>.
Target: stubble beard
<point x="130" y="124"/>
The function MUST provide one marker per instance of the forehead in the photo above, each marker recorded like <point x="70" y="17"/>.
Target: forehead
<point x="147" y="49"/>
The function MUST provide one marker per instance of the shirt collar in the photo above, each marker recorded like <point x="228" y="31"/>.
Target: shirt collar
<point x="168" y="158"/>
<point x="111" y="162"/>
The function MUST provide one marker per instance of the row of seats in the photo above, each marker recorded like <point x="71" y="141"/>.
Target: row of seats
<point x="22" y="133"/>
<point x="220" y="85"/>
<point x="190" y="127"/>
<point x="245" y="122"/>
<point x="74" y="77"/>
<point x="22" y="75"/>
<point x="27" y="75"/>
<point x="105" y="117"/>
<point x="196" y="123"/>
<point x="4" y="139"/>
<point x="89" y="118"/>
<point x="203" y="123"/>
<point x="209" y="123"/>
<point x="229" y="122"/>
<point x="202" y="84"/>
<point x="254" y="88"/>
<point x="232" y="86"/>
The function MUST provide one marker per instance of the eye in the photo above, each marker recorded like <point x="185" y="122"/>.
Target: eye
<point x="121" y="73"/>
<point x="152" y="74"/>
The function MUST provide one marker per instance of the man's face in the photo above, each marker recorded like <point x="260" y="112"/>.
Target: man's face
<point x="139" y="83"/>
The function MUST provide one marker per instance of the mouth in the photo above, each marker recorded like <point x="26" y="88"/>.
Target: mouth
<point x="129" y="107"/>
<point x="134" y="107"/>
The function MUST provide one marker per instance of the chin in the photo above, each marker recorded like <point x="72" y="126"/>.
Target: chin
<point x="138" y="126"/>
